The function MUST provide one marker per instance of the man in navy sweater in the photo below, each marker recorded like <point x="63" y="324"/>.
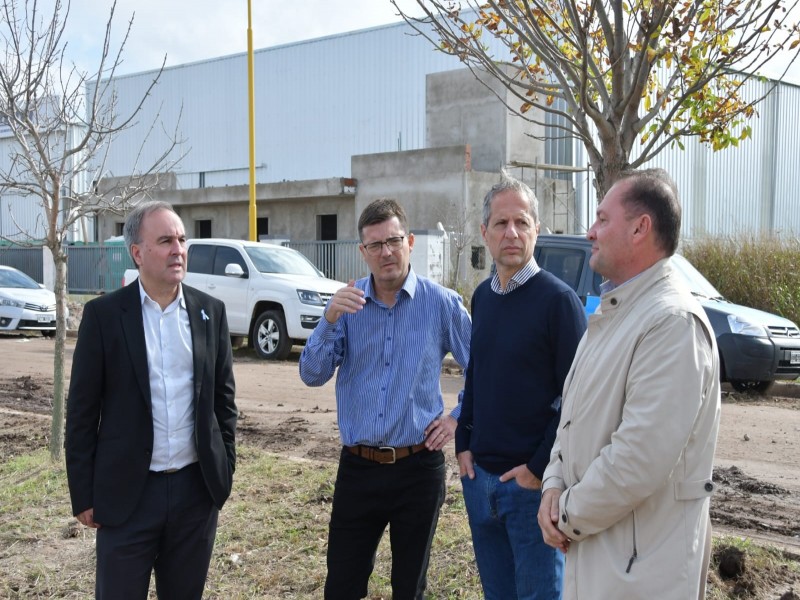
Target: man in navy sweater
<point x="526" y="325"/>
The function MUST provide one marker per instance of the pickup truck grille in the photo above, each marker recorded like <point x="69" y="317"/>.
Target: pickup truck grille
<point x="784" y="332"/>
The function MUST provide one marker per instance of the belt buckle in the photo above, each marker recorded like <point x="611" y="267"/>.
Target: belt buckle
<point x="394" y="454"/>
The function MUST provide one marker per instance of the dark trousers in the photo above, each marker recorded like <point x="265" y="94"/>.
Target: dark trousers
<point x="407" y="496"/>
<point x="171" y="531"/>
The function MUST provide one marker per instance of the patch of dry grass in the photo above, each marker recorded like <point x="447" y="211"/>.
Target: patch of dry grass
<point x="272" y="537"/>
<point x="270" y="542"/>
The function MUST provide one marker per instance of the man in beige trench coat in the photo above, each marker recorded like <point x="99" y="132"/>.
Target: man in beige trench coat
<point x="626" y="492"/>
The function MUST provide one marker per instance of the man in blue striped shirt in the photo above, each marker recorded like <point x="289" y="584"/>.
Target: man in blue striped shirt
<point x="387" y="334"/>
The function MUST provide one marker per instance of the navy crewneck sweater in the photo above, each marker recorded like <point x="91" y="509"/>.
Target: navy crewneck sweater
<point x="522" y="348"/>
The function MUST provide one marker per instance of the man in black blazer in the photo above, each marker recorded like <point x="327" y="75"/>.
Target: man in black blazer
<point x="151" y="419"/>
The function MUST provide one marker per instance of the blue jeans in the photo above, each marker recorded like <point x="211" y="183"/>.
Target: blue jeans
<point x="513" y="560"/>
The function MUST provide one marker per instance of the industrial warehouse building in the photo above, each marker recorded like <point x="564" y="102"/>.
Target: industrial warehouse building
<point x="345" y="119"/>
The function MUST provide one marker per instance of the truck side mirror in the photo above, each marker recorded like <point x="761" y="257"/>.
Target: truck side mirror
<point x="235" y="270"/>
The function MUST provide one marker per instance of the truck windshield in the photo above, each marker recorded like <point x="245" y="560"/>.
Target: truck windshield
<point x="284" y="261"/>
<point x="699" y="285"/>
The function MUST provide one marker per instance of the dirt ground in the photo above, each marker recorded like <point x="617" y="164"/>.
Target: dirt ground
<point x="757" y="462"/>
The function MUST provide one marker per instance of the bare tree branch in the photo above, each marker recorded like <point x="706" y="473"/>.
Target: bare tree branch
<point x="59" y="125"/>
<point x="646" y="71"/>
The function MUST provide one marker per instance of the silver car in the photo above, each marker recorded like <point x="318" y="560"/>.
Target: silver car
<point x="24" y="304"/>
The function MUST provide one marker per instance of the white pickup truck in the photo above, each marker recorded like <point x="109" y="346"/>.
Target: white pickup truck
<point x="274" y="296"/>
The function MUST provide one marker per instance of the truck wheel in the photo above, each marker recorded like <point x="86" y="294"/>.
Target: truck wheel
<point x="270" y="339"/>
<point x="757" y="387"/>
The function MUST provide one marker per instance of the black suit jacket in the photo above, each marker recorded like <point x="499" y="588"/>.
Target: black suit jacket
<point x="109" y="434"/>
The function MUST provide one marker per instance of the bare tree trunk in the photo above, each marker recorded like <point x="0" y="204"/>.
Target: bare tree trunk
<point x="57" y="424"/>
<point x="608" y="166"/>
<point x="62" y="122"/>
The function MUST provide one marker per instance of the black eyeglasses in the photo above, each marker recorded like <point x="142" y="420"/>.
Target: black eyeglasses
<point x="393" y="243"/>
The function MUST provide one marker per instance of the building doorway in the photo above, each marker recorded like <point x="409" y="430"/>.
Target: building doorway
<point x="326" y="252"/>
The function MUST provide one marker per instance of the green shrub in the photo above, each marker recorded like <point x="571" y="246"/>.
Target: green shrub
<point x="760" y="272"/>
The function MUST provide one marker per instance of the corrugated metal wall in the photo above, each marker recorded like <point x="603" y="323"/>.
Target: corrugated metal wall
<point x="787" y="161"/>
<point x="744" y="189"/>
<point x="22" y="214"/>
<point x="320" y="102"/>
<point x="21" y="217"/>
<point x="317" y="104"/>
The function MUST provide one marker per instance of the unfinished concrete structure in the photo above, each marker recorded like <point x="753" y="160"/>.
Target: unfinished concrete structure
<point x="470" y="137"/>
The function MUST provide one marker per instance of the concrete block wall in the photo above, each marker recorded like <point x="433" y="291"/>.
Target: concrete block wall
<point x="471" y="108"/>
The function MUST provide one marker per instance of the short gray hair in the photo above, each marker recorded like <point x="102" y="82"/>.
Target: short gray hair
<point x="509" y="183"/>
<point x="131" y="231"/>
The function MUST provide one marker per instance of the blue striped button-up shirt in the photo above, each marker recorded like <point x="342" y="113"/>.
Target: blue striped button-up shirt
<point x="389" y="359"/>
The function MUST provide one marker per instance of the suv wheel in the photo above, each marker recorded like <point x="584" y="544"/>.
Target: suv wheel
<point x="757" y="387"/>
<point x="269" y="336"/>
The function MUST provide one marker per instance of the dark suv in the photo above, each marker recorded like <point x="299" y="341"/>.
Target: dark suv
<point x="755" y="347"/>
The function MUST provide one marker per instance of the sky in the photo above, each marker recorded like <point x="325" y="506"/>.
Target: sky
<point x="192" y="30"/>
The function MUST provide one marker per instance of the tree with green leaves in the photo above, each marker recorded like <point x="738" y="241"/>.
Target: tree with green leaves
<point x="626" y="78"/>
<point x="57" y="123"/>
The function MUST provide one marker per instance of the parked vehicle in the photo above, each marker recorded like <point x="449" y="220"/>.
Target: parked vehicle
<point x="755" y="347"/>
<point x="273" y="295"/>
<point x="24" y="304"/>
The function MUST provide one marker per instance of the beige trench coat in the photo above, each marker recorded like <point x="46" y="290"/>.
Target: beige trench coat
<point x="635" y="444"/>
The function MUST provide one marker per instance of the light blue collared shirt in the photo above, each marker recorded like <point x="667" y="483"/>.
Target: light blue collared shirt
<point x="608" y="286"/>
<point x="389" y="360"/>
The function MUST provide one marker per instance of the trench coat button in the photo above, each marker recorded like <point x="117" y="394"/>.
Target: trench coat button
<point x="564" y="518"/>
<point x="709" y="486"/>
<point x="576" y="531"/>
<point x="613" y="302"/>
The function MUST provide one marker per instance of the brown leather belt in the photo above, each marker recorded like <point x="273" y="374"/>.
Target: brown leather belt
<point x="386" y="455"/>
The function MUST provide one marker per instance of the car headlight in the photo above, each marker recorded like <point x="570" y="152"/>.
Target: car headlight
<point x="309" y="297"/>
<point x="9" y="302"/>
<point x="742" y="326"/>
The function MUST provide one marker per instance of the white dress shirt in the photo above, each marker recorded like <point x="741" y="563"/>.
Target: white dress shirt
<point x="169" y="363"/>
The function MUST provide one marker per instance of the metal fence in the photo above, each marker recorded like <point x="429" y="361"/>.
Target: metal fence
<point x="338" y="259"/>
<point x="91" y="269"/>
<point x="98" y="268"/>
<point x="27" y="260"/>
<point x="95" y="269"/>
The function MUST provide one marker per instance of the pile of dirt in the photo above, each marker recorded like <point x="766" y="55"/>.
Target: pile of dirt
<point x="741" y="575"/>
<point x="25" y="407"/>
<point x="27" y="393"/>
<point x="75" y="315"/>
<point x="744" y="503"/>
